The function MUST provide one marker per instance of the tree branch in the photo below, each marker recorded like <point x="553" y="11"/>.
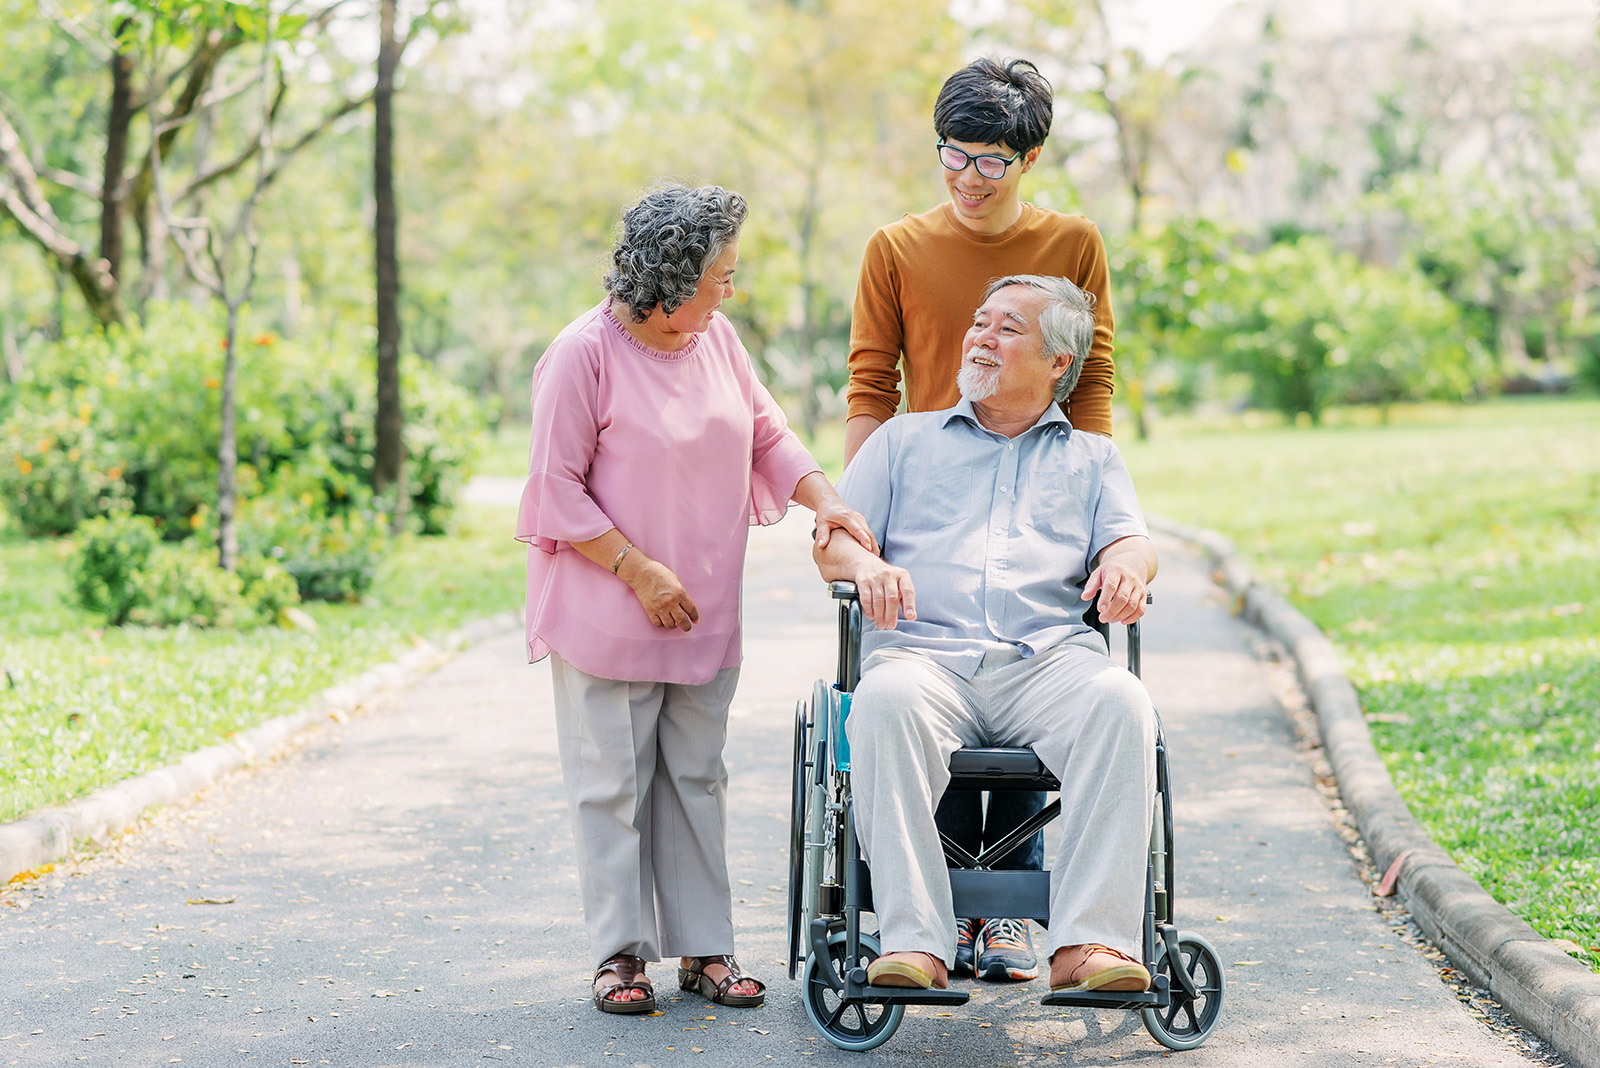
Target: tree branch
<point x="286" y="154"/>
<point x="102" y="50"/>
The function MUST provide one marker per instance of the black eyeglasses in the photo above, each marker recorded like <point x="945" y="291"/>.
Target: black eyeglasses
<point x="990" y="166"/>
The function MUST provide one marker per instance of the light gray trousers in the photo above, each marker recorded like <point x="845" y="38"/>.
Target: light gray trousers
<point x="1091" y="723"/>
<point x="647" y="789"/>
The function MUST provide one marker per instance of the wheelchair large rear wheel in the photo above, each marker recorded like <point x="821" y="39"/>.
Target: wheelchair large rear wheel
<point x="1187" y="1022"/>
<point x="800" y="789"/>
<point x="849" y="1025"/>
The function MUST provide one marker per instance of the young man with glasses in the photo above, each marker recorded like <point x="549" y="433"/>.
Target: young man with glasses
<point x="921" y="280"/>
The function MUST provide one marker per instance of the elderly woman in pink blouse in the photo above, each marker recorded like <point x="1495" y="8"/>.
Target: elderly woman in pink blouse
<point x="654" y="449"/>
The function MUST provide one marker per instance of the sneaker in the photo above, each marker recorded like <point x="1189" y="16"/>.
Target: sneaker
<point x="966" y="934"/>
<point x="1005" y="951"/>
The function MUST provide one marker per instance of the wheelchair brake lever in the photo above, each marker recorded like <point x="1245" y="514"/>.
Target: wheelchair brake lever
<point x="819" y="950"/>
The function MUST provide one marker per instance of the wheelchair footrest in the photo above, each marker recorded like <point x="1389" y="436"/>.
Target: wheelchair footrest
<point x="909" y="995"/>
<point x="1109" y="999"/>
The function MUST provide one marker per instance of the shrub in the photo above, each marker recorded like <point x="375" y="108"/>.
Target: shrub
<point x="329" y="557"/>
<point x="59" y="462"/>
<point x="268" y="587"/>
<point x="183" y="585"/>
<point x="112" y="553"/>
<point x="134" y="414"/>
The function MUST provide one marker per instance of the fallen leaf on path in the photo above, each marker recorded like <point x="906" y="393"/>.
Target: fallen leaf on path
<point x="1245" y="963"/>
<point x="210" y="900"/>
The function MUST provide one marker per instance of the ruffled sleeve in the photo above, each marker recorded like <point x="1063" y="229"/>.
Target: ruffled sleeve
<point x="778" y="460"/>
<point x="556" y="504"/>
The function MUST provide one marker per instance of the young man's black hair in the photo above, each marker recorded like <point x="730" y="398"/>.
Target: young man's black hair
<point x="994" y="102"/>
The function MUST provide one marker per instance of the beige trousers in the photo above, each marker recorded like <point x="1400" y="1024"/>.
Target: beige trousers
<point x="1091" y="723"/>
<point x="647" y="789"/>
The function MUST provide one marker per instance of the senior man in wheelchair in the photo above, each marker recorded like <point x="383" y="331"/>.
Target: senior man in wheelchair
<point x="997" y="523"/>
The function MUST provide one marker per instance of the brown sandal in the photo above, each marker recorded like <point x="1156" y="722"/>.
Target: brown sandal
<point x="695" y="978"/>
<point x="629" y="971"/>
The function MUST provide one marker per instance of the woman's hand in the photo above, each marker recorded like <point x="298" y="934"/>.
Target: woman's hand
<point x="817" y="493"/>
<point x="660" y="593"/>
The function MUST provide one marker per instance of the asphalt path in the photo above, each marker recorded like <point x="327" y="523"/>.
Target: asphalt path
<point x="400" y="890"/>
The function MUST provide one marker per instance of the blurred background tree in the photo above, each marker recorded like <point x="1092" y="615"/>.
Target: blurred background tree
<point x="1384" y="157"/>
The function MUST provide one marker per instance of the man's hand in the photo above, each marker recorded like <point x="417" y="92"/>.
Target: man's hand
<point x="1122" y="579"/>
<point x="885" y="591"/>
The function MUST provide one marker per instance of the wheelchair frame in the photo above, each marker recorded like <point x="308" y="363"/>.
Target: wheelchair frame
<point x="830" y="885"/>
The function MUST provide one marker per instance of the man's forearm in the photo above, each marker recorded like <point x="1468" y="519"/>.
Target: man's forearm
<point x="1137" y="551"/>
<point x="840" y="559"/>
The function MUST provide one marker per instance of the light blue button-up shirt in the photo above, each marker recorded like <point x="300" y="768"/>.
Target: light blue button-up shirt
<point x="999" y="534"/>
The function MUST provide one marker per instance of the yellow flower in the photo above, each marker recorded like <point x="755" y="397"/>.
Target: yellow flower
<point x="112" y="379"/>
<point x="212" y="383"/>
<point x="23" y="465"/>
<point x="72" y="455"/>
<point x="195" y="521"/>
<point x="114" y="474"/>
<point x="266" y="339"/>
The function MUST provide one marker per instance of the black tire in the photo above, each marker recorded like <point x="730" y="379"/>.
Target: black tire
<point x="850" y="1025"/>
<point x="1188" y="1022"/>
<point x="801" y="789"/>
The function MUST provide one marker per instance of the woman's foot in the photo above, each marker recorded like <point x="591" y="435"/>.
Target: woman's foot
<point x="709" y="977"/>
<point x="620" y="986"/>
<point x="922" y="970"/>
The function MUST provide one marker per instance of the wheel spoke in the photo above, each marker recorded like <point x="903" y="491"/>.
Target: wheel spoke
<point x="834" y="1019"/>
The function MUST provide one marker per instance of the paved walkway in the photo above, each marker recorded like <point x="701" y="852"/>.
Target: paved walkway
<point x="401" y="891"/>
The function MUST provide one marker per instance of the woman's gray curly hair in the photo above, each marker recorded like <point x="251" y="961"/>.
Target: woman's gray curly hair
<point x="667" y="241"/>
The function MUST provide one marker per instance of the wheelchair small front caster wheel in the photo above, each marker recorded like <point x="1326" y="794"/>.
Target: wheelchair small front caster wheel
<point x="849" y="1025"/>
<point x="1187" y="1022"/>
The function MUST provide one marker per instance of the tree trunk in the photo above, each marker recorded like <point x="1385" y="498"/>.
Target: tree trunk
<point x="390" y="449"/>
<point x="228" y="449"/>
<point x="117" y="124"/>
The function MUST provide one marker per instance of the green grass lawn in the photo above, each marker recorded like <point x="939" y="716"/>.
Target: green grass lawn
<point x="83" y="707"/>
<point x="1453" y="557"/>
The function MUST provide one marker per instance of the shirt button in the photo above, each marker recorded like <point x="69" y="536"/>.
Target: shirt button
<point x="1002" y="489"/>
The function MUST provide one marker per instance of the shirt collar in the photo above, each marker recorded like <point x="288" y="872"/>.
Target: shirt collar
<point x="1051" y="415"/>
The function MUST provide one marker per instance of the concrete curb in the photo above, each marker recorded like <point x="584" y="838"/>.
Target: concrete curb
<point x="1548" y="992"/>
<point x="51" y="834"/>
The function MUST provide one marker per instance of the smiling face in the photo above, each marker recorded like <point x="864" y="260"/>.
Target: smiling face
<point x="987" y="205"/>
<point x="693" y="316"/>
<point x="1002" y="362"/>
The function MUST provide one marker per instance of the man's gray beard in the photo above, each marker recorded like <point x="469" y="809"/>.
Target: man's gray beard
<point x="977" y="383"/>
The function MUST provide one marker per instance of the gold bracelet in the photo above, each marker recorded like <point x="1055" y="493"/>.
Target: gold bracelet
<point x="618" y="561"/>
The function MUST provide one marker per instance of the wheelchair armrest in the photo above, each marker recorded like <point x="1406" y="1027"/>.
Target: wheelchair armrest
<point x="850" y="627"/>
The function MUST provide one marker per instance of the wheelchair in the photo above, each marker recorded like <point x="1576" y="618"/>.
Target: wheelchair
<point x="830" y="886"/>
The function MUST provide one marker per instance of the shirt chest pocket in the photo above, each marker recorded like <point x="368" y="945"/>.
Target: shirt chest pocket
<point x="935" y="495"/>
<point x="1054" y="500"/>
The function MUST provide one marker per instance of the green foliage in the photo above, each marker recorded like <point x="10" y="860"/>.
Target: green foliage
<point x="135" y="413"/>
<point x="112" y="552"/>
<point x="182" y="585"/>
<point x="90" y="707"/>
<point x="122" y="573"/>
<point x="330" y="557"/>
<point x="1454" y="559"/>
<point x="1313" y="327"/>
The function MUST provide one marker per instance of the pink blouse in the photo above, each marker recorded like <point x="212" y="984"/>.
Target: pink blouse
<point x="682" y="452"/>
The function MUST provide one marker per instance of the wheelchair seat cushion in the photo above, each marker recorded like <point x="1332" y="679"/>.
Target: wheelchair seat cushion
<point x="1003" y="769"/>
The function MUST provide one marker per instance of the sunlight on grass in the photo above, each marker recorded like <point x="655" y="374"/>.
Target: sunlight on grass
<point x="84" y="707"/>
<point x="1453" y="556"/>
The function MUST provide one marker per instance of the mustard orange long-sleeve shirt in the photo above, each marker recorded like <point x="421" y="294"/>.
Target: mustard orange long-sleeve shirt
<point x="921" y="280"/>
